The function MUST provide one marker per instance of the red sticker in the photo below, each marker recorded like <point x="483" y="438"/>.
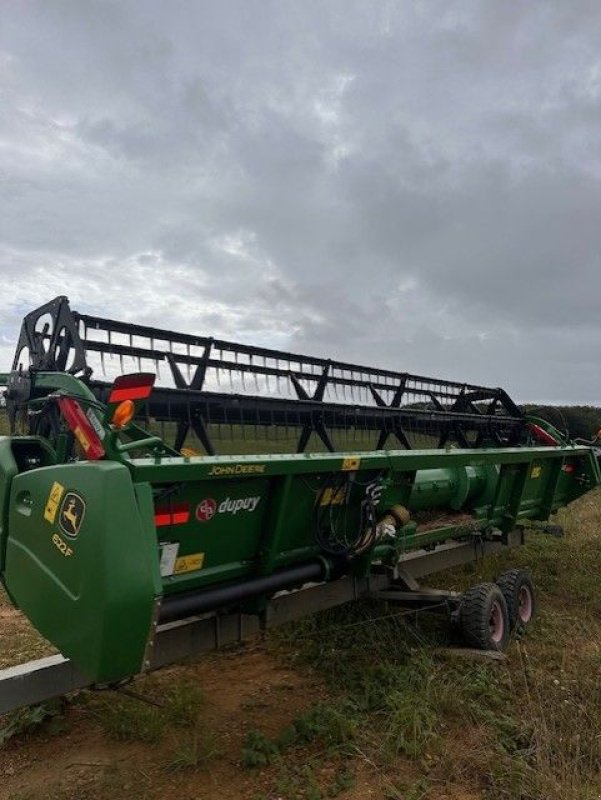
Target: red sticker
<point x="206" y="510"/>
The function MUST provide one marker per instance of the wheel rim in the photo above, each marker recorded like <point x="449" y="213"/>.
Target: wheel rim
<point x="496" y="622"/>
<point x="525" y="604"/>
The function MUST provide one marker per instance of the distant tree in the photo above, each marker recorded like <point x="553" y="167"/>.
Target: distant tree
<point x="580" y="422"/>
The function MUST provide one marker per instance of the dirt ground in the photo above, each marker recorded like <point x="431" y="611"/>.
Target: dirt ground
<point x="249" y="688"/>
<point x="243" y="690"/>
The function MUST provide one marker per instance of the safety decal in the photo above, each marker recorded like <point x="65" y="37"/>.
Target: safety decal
<point x="172" y="564"/>
<point x="169" y="551"/>
<point x="536" y="472"/>
<point x="52" y="503"/>
<point x="351" y="464"/>
<point x="333" y="496"/>
<point x="189" y="563"/>
<point x="73" y="509"/>
<point x="95" y="422"/>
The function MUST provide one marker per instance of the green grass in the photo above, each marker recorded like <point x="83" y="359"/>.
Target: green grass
<point x="194" y="750"/>
<point x="127" y="718"/>
<point x="47" y="717"/>
<point x="528" y="728"/>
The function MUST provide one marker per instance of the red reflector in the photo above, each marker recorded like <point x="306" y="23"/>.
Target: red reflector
<point x="81" y="427"/>
<point x="542" y="435"/>
<point x="569" y="468"/>
<point x="175" y="515"/>
<point x="132" y="387"/>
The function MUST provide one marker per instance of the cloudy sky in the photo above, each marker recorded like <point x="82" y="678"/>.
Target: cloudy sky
<point x="413" y="185"/>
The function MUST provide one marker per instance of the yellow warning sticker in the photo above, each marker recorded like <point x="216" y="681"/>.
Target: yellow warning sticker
<point x="52" y="503"/>
<point x="351" y="464"/>
<point x="536" y="471"/>
<point x="332" y="496"/>
<point x="188" y="563"/>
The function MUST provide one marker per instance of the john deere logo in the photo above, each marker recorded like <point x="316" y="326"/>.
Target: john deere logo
<point x="71" y="514"/>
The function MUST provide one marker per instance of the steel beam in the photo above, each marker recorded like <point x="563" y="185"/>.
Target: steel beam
<point x="38" y="681"/>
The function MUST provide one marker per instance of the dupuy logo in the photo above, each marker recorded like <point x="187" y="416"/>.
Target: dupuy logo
<point x="206" y="509"/>
<point x="73" y="509"/>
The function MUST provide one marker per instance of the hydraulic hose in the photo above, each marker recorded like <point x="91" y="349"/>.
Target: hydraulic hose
<point x="190" y="603"/>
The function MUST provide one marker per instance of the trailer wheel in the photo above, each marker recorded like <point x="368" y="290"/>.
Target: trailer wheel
<point x="483" y="617"/>
<point x="519" y="594"/>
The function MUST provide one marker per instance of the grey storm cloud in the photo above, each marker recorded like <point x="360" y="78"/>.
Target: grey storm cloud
<point x="410" y="185"/>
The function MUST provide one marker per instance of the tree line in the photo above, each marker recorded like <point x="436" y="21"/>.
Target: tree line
<point x="580" y="422"/>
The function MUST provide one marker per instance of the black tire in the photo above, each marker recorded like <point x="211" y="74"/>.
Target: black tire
<point x="483" y="618"/>
<point x="520" y="596"/>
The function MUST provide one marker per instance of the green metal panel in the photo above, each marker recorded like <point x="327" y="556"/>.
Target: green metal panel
<point x="81" y="564"/>
<point x="215" y="467"/>
<point x="260" y="524"/>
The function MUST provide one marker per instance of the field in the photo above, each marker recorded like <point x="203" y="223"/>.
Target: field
<point x="361" y="702"/>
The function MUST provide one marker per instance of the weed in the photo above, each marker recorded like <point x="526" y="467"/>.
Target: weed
<point x="194" y="751"/>
<point x="410" y="723"/>
<point x="32" y="718"/>
<point x="183" y="703"/>
<point x="332" y="726"/>
<point x="258" y="750"/>
<point x="417" y="790"/>
<point x="299" y="783"/>
<point x="128" y="718"/>
<point x="343" y="780"/>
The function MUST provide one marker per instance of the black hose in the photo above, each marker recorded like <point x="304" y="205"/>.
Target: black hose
<point x="185" y="605"/>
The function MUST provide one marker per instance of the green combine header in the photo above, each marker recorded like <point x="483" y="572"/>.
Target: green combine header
<point x="153" y="479"/>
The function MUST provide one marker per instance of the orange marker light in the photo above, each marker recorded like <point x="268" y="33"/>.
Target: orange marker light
<point x="124" y="413"/>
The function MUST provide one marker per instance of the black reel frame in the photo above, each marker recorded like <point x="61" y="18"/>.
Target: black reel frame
<point x="307" y="394"/>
